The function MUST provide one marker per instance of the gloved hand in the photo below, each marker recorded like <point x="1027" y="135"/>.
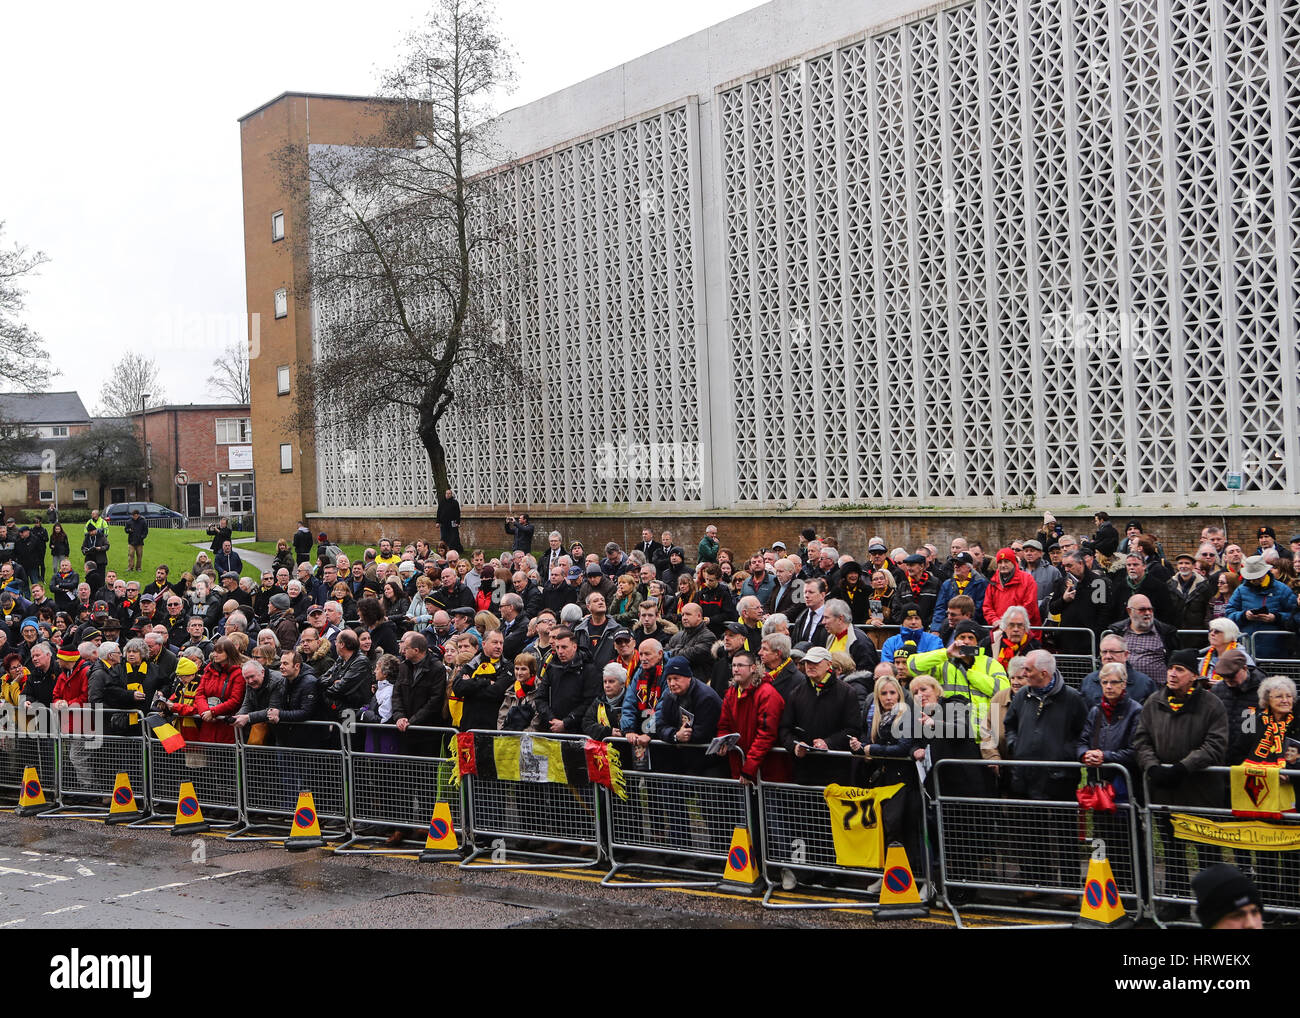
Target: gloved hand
<point x="1166" y="774"/>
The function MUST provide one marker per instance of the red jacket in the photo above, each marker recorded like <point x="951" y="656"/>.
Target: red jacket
<point x="73" y="685"/>
<point x="221" y="690"/>
<point x="756" y="715"/>
<point x="1021" y="590"/>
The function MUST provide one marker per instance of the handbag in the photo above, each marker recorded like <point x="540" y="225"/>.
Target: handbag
<point x="257" y="734"/>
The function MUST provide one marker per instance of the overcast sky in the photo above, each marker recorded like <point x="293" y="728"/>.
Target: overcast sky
<point x="120" y="156"/>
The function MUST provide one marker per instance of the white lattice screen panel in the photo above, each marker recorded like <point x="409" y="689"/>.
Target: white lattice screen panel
<point x="600" y="290"/>
<point x="1019" y="249"/>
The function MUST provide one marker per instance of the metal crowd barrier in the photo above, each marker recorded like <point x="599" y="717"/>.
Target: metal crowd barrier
<point x="92" y="755"/>
<point x="1028" y="846"/>
<point x="212" y="767"/>
<point x="681" y="816"/>
<point x="394" y="790"/>
<point x="540" y="814"/>
<point x="1074" y="668"/>
<point x="1173" y="861"/>
<point x="795" y="834"/>
<point x="1274" y="665"/>
<point x="271" y="777"/>
<point x="20" y="749"/>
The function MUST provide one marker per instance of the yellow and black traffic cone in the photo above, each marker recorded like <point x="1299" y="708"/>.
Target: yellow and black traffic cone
<point x="31" y="800"/>
<point x="741" y="875"/>
<point x="899" y="897"/>
<point x="123" y="808"/>
<point x="1101" y="907"/>
<point x="189" y="817"/>
<point x="306" y="826"/>
<point x="441" y="842"/>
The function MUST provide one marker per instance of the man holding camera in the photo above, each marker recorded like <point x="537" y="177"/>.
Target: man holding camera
<point x="522" y="529"/>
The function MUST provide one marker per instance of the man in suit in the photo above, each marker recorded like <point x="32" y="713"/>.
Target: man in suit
<point x="648" y="545"/>
<point x="809" y="627"/>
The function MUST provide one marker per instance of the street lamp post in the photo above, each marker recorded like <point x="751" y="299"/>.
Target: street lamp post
<point x="144" y="441"/>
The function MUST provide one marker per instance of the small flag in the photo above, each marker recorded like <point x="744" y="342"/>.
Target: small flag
<point x="465" y="757"/>
<point x="604" y="767"/>
<point x="171" y="739"/>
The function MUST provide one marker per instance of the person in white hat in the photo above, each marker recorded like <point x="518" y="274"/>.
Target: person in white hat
<point x="1261" y="604"/>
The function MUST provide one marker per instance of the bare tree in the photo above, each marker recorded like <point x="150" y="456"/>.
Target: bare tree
<point x="398" y="227"/>
<point x="24" y="361"/>
<point x="230" y="378"/>
<point x="109" y="452"/>
<point x="130" y="380"/>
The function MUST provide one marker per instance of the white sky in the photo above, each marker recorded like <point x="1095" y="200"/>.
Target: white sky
<point x="120" y="151"/>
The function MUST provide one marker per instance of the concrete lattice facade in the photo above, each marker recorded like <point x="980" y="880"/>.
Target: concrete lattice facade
<point x="986" y="253"/>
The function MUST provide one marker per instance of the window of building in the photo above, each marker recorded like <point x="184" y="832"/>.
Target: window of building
<point x="286" y="459"/>
<point x="234" y="494"/>
<point x="277" y="226"/>
<point x="59" y="431"/>
<point x="282" y="380"/>
<point x="45" y="495"/>
<point x="234" y="431"/>
<point x="79" y="495"/>
<point x="281" y="302"/>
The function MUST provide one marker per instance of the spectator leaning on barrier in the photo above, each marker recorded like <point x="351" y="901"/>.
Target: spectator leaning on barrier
<point x="567" y="687"/>
<point x="752" y="708"/>
<point x="687" y="714"/>
<point x="1183" y="730"/>
<point x="1043" y="723"/>
<point x="966" y="673"/>
<point x="419" y="693"/>
<point x="606" y="711"/>
<point x="1260" y="604"/>
<point x="482" y="684"/>
<point x="820" y="714"/>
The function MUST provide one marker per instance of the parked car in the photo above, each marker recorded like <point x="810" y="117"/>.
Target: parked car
<point x="156" y="515"/>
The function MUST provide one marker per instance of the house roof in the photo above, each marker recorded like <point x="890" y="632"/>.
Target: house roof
<point x="43" y="408"/>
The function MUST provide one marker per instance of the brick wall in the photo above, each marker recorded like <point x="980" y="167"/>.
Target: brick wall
<point x="742" y="533"/>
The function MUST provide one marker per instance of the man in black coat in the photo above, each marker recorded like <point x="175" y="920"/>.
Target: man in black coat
<point x="688" y="715"/>
<point x="346" y="686"/>
<point x="648" y="546"/>
<point x="567" y="686"/>
<point x="820" y="714"/>
<point x="449" y="521"/>
<point x="1081" y="599"/>
<point x="301" y="704"/>
<point x="1043" y="722"/>
<point x="522" y="528"/>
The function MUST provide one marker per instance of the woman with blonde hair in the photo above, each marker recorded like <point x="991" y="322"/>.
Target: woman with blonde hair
<point x="888" y="760"/>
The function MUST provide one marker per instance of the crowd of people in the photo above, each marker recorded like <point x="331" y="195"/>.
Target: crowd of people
<point x="900" y="658"/>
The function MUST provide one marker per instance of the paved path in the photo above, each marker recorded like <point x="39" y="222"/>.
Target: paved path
<point x="260" y="559"/>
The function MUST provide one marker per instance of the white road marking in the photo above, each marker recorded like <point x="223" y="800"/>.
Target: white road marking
<point x="148" y="890"/>
<point x="182" y="883"/>
<point x="14" y="922"/>
<point x="69" y="908"/>
<point x="49" y="878"/>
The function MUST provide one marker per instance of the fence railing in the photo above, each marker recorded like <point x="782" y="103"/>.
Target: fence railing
<point x="996" y="828"/>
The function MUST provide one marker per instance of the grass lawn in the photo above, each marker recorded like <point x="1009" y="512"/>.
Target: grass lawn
<point x="174" y="547"/>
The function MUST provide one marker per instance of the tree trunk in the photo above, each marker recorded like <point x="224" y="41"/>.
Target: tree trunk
<point x="428" y="429"/>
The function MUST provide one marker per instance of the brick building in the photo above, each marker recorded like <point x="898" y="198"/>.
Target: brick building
<point x="211" y="443"/>
<point x="280" y="327"/>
